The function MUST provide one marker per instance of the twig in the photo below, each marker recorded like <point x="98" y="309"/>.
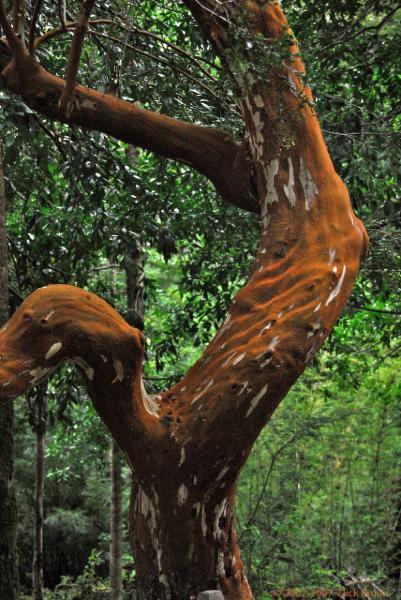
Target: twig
<point x="163" y="61"/>
<point x="132" y="29"/>
<point x="67" y="97"/>
<point x="51" y="135"/>
<point x="69" y="25"/>
<point x="274" y="457"/>
<point x="375" y="310"/>
<point x="15" y="293"/>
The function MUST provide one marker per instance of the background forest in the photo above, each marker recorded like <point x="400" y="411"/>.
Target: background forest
<point x="320" y="498"/>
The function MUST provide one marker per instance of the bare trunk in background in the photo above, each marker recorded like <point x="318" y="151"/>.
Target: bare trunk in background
<point x="40" y="416"/>
<point x="8" y="507"/>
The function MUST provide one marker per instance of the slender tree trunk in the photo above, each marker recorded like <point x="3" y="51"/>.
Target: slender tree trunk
<point x="41" y="410"/>
<point x="135" y="282"/>
<point x="135" y="278"/>
<point x="116" y="580"/>
<point x="8" y="507"/>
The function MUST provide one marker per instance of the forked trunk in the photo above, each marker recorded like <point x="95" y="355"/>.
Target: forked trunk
<point x="186" y="446"/>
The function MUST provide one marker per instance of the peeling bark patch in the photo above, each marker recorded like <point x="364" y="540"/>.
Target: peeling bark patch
<point x="203" y="391"/>
<point x="38" y="374"/>
<point x="182" y="494"/>
<point x="119" y="369"/>
<point x="164" y="581"/>
<point x="289" y="189"/>
<point x="229" y="359"/>
<point x="255" y="401"/>
<point x="266" y="328"/>
<point x="219" y="512"/>
<point x="203" y="522"/>
<point x="220" y="564"/>
<point x="258" y="100"/>
<point x="53" y="350"/>
<point x="314" y="328"/>
<point x="308" y="185"/>
<point x="222" y="473"/>
<point x="182" y="458"/>
<point x="336" y="290"/>
<point x="149" y="402"/>
<point x="239" y="358"/>
<point x="243" y="388"/>
<point x="271" y="172"/>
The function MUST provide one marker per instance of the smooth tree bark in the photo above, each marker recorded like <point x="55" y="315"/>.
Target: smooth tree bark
<point x="8" y="507"/>
<point x="187" y="445"/>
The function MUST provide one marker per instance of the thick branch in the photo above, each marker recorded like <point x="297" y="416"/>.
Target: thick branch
<point x="61" y="323"/>
<point x="212" y="152"/>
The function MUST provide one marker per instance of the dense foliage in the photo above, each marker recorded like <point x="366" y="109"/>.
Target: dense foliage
<point x="320" y="498"/>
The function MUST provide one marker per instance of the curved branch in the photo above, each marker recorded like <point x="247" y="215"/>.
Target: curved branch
<point x="210" y="151"/>
<point x="67" y="26"/>
<point x="62" y="323"/>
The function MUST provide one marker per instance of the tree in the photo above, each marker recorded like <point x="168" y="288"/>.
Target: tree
<point x="187" y="445"/>
<point x="8" y="509"/>
<point x="39" y="422"/>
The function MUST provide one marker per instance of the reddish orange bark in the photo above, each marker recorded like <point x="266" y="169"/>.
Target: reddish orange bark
<point x="188" y="445"/>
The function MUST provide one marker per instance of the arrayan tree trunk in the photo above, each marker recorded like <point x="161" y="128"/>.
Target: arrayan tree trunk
<point x="187" y="445"/>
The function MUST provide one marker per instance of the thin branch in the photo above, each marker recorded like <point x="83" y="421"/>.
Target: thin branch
<point x="273" y="460"/>
<point x="51" y="135"/>
<point x="74" y="56"/>
<point x="132" y="29"/>
<point x="376" y="27"/>
<point x="164" y="61"/>
<point x="344" y="40"/>
<point x="69" y="25"/>
<point x="174" y="47"/>
<point x="15" y="293"/>
<point x="32" y="29"/>
<point x="375" y="310"/>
